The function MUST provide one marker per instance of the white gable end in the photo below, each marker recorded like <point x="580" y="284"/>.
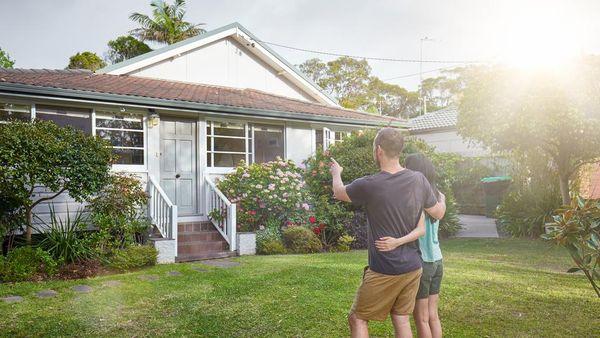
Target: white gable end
<point x="226" y="63"/>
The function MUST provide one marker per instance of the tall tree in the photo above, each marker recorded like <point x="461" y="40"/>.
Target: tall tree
<point x="5" y="60"/>
<point x="125" y="47"/>
<point x="537" y="116"/>
<point x="391" y="100"/>
<point x="86" y="60"/>
<point x="166" y="24"/>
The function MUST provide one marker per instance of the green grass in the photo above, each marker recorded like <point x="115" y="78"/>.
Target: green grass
<point x="494" y="288"/>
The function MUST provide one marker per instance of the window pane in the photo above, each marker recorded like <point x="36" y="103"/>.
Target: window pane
<point x="268" y="143"/>
<point x="228" y="160"/>
<point x="129" y="156"/>
<point x="230" y="144"/>
<point x="10" y="111"/>
<point x="229" y="129"/>
<point x="119" y="124"/>
<point x="319" y="138"/>
<point x="62" y="116"/>
<point x="122" y="138"/>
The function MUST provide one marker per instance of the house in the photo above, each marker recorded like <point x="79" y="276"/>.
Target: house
<point x="183" y="114"/>
<point x="438" y="129"/>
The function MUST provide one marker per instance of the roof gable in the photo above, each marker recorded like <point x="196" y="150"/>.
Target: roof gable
<point x="444" y="118"/>
<point x="281" y="67"/>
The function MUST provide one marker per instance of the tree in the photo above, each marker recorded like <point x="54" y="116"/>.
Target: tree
<point x="5" y="60"/>
<point x="534" y="116"/>
<point x="40" y="153"/>
<point x="125" y="47"/>
<point x="166" y="24"/>
<point x="391" y="100"/>
<point x="86" y="60"/>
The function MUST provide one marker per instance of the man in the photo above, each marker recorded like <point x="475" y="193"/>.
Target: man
<point x="394" y="200"/>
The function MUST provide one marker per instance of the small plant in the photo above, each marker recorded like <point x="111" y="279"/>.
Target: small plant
<point x="27" y="263"/>
<point x="135" y="256"/>
<point x="301" y="240"/>
<point x="64" y="239"/>
<point x="578" y="230"/>
<point x="344" y="243"/>
<point x="268" y="242"/>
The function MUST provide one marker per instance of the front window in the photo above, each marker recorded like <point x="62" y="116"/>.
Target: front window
<point x="229" y="143"/>
<point x="13" y="111"/>
<point x="326" y="137"/>
<point x="65" y="116"/>
<point x="125" y="133"/>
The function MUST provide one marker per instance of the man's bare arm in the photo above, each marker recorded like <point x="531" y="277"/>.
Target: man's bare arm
<point x="339" y="189"/>
<point x="391" y="243"/>
<point x="439" y="209"/>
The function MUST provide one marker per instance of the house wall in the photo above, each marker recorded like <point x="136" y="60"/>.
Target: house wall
<point x="449" y="141"/>
<point x="300" y="142"/>
<point x="224" y="63"/>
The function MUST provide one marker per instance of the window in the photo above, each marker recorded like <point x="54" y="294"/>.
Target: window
<point x="125" y="133"/>
<point x="13" y="111"/>
<point x="63" y="116"/>
<point x="326" y="137"/>
<point x="230" y="143"/>
<point x="319" y="138"/>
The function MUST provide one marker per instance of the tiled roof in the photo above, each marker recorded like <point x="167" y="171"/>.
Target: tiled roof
<point x="133" y="86"/>
<point x="439" y="119"/>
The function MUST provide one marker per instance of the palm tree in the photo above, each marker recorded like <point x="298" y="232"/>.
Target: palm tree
<point x="166" y="24"/>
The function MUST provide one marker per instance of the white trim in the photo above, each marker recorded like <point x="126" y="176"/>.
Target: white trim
<point x="197" y="218"/>
<point x="32" y="112"/>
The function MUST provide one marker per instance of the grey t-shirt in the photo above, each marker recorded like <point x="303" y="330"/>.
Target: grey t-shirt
<point x="394" y="203"/>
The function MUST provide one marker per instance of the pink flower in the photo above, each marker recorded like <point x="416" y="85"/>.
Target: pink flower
<point x="305" y="206"/>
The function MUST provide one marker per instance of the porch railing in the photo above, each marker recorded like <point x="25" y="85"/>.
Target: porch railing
<point x="162" y="212"/>
<point x="221" y="213"/>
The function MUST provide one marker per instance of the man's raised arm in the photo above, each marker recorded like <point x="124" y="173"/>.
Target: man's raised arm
<point x="339" y="189"/>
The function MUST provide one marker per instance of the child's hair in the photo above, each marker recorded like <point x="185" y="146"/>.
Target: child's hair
<point x="419" y="162"/>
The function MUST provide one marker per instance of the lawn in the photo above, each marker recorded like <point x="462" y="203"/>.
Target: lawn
<point x="493" y="288"/>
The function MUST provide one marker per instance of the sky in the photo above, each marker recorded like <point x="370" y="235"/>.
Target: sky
<point x="43" y="34"/>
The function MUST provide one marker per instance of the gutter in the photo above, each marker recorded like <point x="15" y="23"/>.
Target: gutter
<point x="16" y="88"/>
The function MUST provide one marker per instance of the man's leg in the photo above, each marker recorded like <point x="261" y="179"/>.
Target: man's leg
<point x="421" y="315"/>
<point x="434" y="320"/>
<point x="401" y="326"/>
<point x="358" y="328"/>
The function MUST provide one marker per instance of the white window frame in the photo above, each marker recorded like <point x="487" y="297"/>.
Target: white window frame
<point x="101" y="114"/>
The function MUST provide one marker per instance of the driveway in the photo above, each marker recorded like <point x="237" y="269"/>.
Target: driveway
<point x="477" y="226"/>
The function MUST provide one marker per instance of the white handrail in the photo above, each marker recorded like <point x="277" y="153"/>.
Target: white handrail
<point x="217" y="204"/>
<point x="161" y="211"/>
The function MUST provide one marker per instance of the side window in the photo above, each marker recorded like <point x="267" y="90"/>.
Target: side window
<point x="66" y="116"/>
<point x="268" y="142"/>
<point x="125" y="133"/>
<point x="14" y="111"/>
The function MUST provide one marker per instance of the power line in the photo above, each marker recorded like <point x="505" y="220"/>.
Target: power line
<point x="369" y="58"/>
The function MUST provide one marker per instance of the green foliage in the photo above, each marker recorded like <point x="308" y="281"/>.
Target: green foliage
<point x="330" y="220"/>
<point x="578" y="230"/>
<point x="344" y="243"/>
<point x="538" y="117"/>
<point x="86" y="60"/>
<point x="132" y="257"/>
<point x="166" y="25"/>
<point x="5" y="60"/>
<point x="467" y="186"/>
<point x="64" y="239"/>
<point x="41" y="153"/>
<point x="27" y="263"/>
<point x="125" y="47"/>
<point x="268" y="242"/>
<point x="266" y="192"/>
<point x="299" y="239"/>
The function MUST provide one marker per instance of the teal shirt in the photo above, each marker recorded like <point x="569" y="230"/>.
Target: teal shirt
<point x="429" y="244"/>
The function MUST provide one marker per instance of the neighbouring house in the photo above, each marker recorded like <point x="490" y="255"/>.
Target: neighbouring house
<point x="438" y="129"/>
<point x="183" y="114"/>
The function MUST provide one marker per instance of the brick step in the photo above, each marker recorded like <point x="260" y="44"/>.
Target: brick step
<point x="184" y="237"/>
<point x="195" y="227"/>
<point x="204" y="256"/>
<point x="201" y="247"/>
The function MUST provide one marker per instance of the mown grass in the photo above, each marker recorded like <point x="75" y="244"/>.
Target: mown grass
<point x="492" y="288"/>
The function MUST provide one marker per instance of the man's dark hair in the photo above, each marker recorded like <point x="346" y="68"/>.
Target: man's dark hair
<point x="391" y="141"/>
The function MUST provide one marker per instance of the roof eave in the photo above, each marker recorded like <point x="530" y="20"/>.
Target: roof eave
<point x="15" y="88"/>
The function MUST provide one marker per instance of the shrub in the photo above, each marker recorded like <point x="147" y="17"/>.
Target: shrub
<point x="65" y="239"/>
<point x="268" y="242"/>
<point x="27" y="263"/>
<point x="134" y="256"/>
<point x="118" y="213"/>
<point x="578" y="230"/>
<point x="344" y="243"/>
<point x="329" y="221"/>
<point x="266" y="191"/>
<point x="301" y="240"/>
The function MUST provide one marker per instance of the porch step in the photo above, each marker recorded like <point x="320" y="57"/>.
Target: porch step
<point x="199" y="257"/>
<point x="200" y="240"/>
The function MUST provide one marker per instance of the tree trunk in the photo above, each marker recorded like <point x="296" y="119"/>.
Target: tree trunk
<point x="564" y="189"/>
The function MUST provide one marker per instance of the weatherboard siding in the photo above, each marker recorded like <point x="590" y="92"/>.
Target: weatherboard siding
<point x="450" y="142"/>
<point x="224" y="63"/>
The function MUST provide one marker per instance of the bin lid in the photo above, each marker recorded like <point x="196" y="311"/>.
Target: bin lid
<point x="493" y="179"/>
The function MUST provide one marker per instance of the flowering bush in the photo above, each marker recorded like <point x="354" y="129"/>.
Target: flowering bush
<point x="270" y="192"/>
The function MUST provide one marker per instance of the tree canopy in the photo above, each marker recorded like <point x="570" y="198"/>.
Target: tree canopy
<point x="166" y="24"/>
<point x="5" y="60"/>
<point x="125" y="47"/>
<point x="86" y="60"/>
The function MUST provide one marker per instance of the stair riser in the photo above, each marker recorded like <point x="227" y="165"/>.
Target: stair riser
<point x="201" y="248"/>
<point x="202" y="236"/>
<point x="195" y="227"/>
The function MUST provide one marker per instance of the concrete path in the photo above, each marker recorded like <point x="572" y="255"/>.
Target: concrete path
<point x="477" y="226"/>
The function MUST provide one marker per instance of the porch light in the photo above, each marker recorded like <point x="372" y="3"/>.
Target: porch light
<point x="153" y="118"/>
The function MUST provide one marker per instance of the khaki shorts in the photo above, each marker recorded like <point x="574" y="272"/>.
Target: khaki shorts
<point x="380" y="295"/>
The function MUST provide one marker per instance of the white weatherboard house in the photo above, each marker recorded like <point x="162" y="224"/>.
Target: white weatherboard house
<point x="182" y="114"/>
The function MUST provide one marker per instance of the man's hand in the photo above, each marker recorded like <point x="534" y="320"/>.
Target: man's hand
<point x="387" y="243"/>
<point x="335" y="168"/>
